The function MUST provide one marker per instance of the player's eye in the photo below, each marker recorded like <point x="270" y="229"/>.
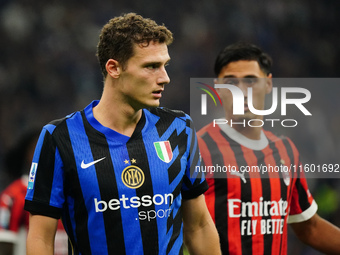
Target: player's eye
<point x="231" y="81"/>
<point x="250" y="81"/>
<point x="152" y="66"/>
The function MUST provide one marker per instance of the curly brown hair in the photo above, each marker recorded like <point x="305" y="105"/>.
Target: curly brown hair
<point x="118" y="36"/>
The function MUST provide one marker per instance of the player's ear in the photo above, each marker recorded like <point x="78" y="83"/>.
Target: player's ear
<point x="269" y="83"/>
<point x="113" y="68"/>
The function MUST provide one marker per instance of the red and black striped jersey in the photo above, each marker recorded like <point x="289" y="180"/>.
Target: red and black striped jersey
<point x="14" y="219"/>
<point x="255" y="189"/>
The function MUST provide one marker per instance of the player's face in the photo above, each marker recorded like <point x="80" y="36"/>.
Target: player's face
<point x="244" y="74"/>
<point x="144" y="77"/>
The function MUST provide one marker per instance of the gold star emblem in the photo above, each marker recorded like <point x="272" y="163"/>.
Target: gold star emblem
<point x="133" y="161"/>
<point x="126" y="161"/>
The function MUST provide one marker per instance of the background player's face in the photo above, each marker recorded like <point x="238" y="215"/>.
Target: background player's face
<point x="244" y="74"/>
<point x="144" y="78"/>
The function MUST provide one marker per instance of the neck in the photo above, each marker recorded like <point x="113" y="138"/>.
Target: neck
<point x="115" y="114"/>
<point x="253" y="132"/>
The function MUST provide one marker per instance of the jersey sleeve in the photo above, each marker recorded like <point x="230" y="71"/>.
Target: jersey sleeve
<point x="45" y="185"/>
<point x="194" y="183"/>
<point x="303" y="205"/>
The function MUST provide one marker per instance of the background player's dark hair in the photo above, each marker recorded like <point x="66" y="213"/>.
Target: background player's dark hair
<point x="18" y="159"/>
<point x="119" y="35"/>
<point x="243" y="51"/>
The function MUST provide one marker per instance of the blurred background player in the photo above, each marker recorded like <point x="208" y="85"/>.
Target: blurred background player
<point x="251" y="211"/>
<point x="13" y="217"/>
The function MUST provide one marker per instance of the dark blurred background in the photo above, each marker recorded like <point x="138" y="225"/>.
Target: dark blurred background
<point x="48" y="67"/>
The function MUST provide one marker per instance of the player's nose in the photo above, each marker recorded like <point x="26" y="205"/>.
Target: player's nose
<point x="163" y="77"/>
<point x="244" y="88"/>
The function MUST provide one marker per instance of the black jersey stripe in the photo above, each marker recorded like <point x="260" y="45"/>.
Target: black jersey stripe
<point x="283" y="186"/>
<point x="177" y="190"/>
<point x="196" y="158"/>
<point x="175" y="193"/>
<point x="136" y="149"/>
<point x="292" y="158"/>
<point x="80" y="214"/>
<point x="277" y="157"/>
<point x="176" y="140"/>
<point x="221" y="191"/>
<point x="177" y="225"/>
<point x="286" y="195"/>
<point x="106" y="178"/>
<point x="246" y="191"/>
<point x="266" y="194"/>
<point x="303" y="196"/>
<point x="137" y="133"/>
<point x="181" y="250"/>
<point x="164" y="121"/>
<point x="174" y="221"/>
<point x="43" y="192"/>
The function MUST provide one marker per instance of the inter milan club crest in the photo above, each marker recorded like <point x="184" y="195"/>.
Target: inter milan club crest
<point x="164" y="151"/>
<point x="133" y="177"/>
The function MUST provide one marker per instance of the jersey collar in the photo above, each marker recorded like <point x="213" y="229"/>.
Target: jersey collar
<point x="108" y="132"/>
<point x="245" y="141"/>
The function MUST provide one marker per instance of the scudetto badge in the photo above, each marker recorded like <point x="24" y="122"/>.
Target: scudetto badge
<point x="133" y="177"/>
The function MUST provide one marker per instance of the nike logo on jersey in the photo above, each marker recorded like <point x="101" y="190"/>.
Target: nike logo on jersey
<point x="87" y="165"/>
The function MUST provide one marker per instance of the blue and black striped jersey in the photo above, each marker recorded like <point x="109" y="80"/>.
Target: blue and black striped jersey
<point x="117" y="194"/>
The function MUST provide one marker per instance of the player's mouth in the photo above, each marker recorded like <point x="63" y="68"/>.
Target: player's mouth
<point x="157" y="93"/>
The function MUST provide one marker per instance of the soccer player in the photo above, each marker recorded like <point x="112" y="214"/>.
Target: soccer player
<point x="120" y="173"/>
<point x="13" y="217"/>
<point x="250" y="211"/>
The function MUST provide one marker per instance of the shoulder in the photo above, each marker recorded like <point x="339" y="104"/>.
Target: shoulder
<point x="60" y="124"/>
<point x="206" y="129"/>
<point x="274" y="137"/>
<point x="163" y="111"/>
<point x="166" y="114"/>
<point x="280" y="139"/>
